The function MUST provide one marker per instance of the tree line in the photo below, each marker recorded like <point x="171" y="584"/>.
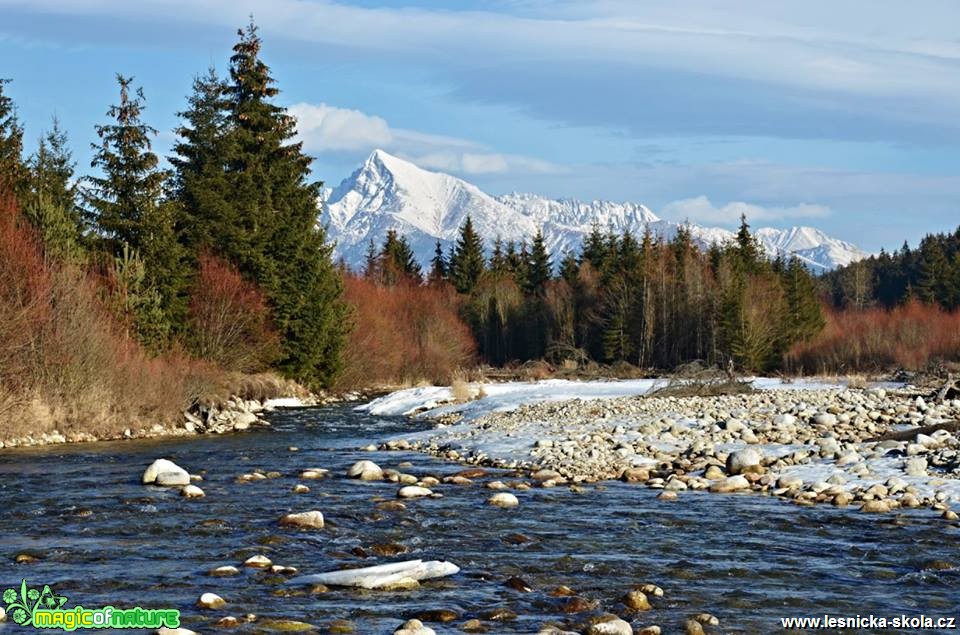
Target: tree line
<point x="647" y="301"/>
<point x="930" y="274"/>
<point x="236" y="214"/>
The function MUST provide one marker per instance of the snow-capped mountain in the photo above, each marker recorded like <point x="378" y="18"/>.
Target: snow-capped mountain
<point x="387" y="192"/>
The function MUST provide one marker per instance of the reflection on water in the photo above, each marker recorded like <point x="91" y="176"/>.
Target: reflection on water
<point x="102" y="538"/>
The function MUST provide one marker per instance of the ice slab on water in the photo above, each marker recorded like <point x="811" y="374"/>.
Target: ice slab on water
<point x="381" y="575"/>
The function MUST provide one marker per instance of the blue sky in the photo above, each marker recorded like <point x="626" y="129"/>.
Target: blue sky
<point x="844" y="115"/>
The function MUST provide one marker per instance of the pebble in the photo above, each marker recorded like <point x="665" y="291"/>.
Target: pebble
<point x="300" y="488"/>
<point x="503" y="499"/>
<point x="311" y="519"/>
<point x="693" y="627"/>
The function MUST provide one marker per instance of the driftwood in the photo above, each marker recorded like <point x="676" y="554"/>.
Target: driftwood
<point x="906" y="435"/>
<point x="949" y="388"/>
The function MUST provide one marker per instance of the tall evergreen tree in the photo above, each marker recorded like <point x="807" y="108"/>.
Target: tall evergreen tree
<point x="50" y="201"/>
<point x="130" y="216"/>
<point x="271" y="232"/>
<point x="467" y="262"/>
<point x="398" y="261"/>
<point x="12" y="169"/>
<point x="747" y="249"/>
<point x="199" y="185"/>
<point x="438" y="265"/>
<point x="539" y="268"/>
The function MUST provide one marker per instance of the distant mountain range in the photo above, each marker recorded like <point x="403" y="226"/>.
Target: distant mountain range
<point x="387" y="192"/>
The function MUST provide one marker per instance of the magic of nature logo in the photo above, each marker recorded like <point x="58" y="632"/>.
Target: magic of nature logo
<point x="42" y="608"/>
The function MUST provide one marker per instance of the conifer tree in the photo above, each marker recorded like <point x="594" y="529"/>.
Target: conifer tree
<point x="746" y="247"/>
<point x="50" y="201"/>
<point x="804" y="317"/>
<point x="271" y="233"/>
<point x="438" y="265"/>
<point x="199" y="184"/>
<point x="12" y="169"/>
<point x="398" y="261"/>
<point x="371" y="262"/>
<point x="569" y="268"/>
<point x="467" y="262"/>
<point x="539" y="268"/>
<point x="130" y="217"/>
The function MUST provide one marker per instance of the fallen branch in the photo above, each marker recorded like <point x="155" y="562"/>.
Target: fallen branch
<point x="906" y="435"/>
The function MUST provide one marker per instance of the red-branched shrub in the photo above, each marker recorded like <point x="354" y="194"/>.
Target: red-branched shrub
<point x="65" y="363"/>
<point x="229" y="319"/>
<point x="403" y="333"/>
<point x="911" y="336"/>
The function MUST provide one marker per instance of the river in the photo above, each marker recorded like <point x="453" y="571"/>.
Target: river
<point x="102" y="538"/>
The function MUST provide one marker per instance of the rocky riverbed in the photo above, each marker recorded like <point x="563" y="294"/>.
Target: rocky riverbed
<point x="806" y="445"/>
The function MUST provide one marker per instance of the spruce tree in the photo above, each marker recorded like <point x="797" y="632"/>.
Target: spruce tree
<point x="398" y="261"/>
<point x="467" y="262"/>
<point x="272" y="233"/>
<point x="50" y="201"/>
<point x="438" y="265"/>
<point x="539" y="268"/>
<point x="12" y="169"/>
<point x="804" y="317"/>
<point x="199" y="185"/>
<point x="371" y="262"/>
<point x="747" y="250"/>
<point x="569" y="268"/>
<point x="130" y="217"/>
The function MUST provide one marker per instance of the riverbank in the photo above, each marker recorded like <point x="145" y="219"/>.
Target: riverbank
<point x="810" y="442"/>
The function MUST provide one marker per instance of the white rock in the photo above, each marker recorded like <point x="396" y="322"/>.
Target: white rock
<point x="825" y="419"/>
<point x="611" y="625"/>
<point x="312" y="519"/>
<point x="192" y="491"/>
<point x="503" y="499"/>
<point x="414" y="627"/>
<point x="413" y="491"/>
<point x="743" y="460"/>
<point x="210" y="601"/>
<point x="257" y="562"/>
<point x="164" y="472"/>
<point x="381" y="575"/>
<point x="785" y="420"/>
<point x="849" y="458"/>
<point x="731" y="484"/>
<point x="163" y="630"/>
<point x="915" y="466"/>
<point x="365" y="471"/>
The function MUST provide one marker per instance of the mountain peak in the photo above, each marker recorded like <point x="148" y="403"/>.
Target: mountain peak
<point x="390" y="193"/>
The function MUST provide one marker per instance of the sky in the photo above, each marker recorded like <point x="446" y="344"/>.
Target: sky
<point x="841" y="114"/>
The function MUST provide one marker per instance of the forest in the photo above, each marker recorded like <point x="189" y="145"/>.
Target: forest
<point x="147" y="285"/>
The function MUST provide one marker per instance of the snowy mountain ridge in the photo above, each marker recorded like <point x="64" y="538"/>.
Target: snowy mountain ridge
<point x="387" y="192"/>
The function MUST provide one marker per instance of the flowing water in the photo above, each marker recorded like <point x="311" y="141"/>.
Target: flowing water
<point x="102" y="538"/>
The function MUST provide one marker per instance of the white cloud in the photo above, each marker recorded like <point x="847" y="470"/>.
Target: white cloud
<point x="322" y="127"/>
<point x="701" y="210"/>
<point x="484" y="163"/>
<point x="325" y="128"/>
